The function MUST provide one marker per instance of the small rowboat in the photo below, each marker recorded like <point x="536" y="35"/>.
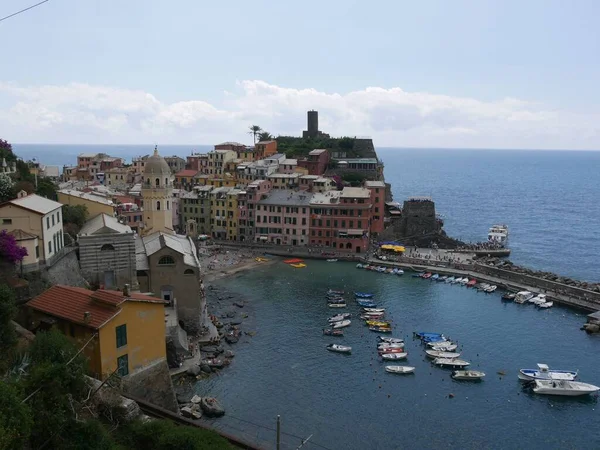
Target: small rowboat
<point x="336" y="305"/>
<point x="390" y="340"/>
<point x="374" y="309"/>
<point x="380" y="329"/>
<point x="400" y="370"/>
<point x="339" y="348"/>
<point x="332" y="260"/>
<point x="384" y="345"/>
<point x="363" y="295"/>
<point x="367" y="304"/>
<point x="472" y="282"/>
<point x="394" y="356"/>
<point x="331" y="291"/>
<point x="440" y="354"/>
<point x="339" y="317"/>
<point x="426" y="334"/>
<point x="384" y="351"/>
<point x="369" y="317"/>
<point x="427" y="275"/>
<point x="444" y="362"/>
<point x="472" y="375"/>
<point x="378" y="323"/>
<point x="341" y="324"/>
<point x="293" y="261"/>
<point x="330" y="332"/>
<point x="444" y="347"/>
<point x="298" y="266"/>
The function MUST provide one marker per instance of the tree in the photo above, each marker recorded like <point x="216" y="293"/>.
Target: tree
<point x="15" y="418"/>
<point x="10" y="251"/>
<point x="8" y="337"/>
<point x="74" y="215"/>
<point x="254" y="130"/>
<point x="264" y="136"/>
<point x="6" y="151"/>
<point x="26" y="186"/>
<point x="46" y="188"/>
<point x="6" y="188"/>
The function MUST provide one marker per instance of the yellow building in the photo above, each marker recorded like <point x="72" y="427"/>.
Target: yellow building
<point x="129" y="328"/>
<point x="218" y="212"/>
<point x="117" y="177"/>
<point x="233" y="214"/>
<point x="157" y="196"/>
<point x="95" y="204"/>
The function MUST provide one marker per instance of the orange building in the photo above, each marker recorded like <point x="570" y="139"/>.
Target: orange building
<point x="264" y="149"/>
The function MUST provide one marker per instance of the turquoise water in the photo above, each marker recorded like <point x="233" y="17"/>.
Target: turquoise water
<point x="350" y="402"/>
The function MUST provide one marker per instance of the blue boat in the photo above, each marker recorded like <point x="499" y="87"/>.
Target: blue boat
<point x="435" y="276"/>
<point x="434" y="339"/>
<point x="363" y="295"/>
<point x="367" y="304"/>
<point x="425" y="334"/>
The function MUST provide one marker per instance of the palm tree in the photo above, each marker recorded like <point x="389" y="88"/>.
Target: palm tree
<point x="254" y="130"/>
<point x="264" y="136"/>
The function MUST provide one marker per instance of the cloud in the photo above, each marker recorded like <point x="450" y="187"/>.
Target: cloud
<point x="83" y="113"/>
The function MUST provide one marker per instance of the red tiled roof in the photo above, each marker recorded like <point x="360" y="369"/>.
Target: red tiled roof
<point x="70" y="303"/>
<point x="186" y="173"/>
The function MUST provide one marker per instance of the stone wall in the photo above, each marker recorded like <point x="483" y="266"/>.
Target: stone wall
<point x="65" y="271"/>
<point x="120" y="259"/>
<point x="153" y="384"/>
<point x="418" y="217"/>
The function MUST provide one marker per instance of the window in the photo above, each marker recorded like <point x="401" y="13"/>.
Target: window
<point x="157" y="182"/>
<point x="37" y="251"/>
<point x="166" y="261"/>
<point x="123" y="365"/>
<point x="107" y="247"/>
<point x="167" y="204"/>
<point x="121" y="335"/>
<point x="376" y="199"/>
<point x="52" y="219"/>
<point x="6" y="221"/>
<point x="158" y="205"/>
<point x="49" y="247"/>
<point x="48" y="223"/>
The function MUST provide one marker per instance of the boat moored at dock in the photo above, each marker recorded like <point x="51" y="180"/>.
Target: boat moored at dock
<point x="543" y="372"/>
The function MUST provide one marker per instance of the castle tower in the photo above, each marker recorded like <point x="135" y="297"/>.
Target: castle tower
<point x="312" y="125"/>
<point x="157" y="195"/>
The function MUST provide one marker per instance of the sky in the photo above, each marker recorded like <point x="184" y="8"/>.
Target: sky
<point x="464" y="74"/>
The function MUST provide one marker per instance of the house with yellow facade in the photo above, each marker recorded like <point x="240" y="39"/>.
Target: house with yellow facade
<point x="233" y="215"/>
<point x="218" y="212"/>
<point x="95" y="204"/>
<point x="127" y="330"/>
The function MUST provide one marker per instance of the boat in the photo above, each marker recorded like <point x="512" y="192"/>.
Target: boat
<point x="433" y="340"/>
<point x="523" y="296"/>
<point x="418" y="275"/>
<point x="390" y="340"/>
<point x="424" y="334"/>
<point x="293" y="261"/>
<point x="386" y="345"/>
<point x="446" y="346"/>
<point x="334" y="292"/>
<point x="543" y="372"/>
<point x="435" y="276"/>
<point x="378" y="323"/>
<point x="394" y="356"/>
<point x="298" y="266"/>
<point x="331" y="332"/>
<point x="341" y="324"/>
<point x="498" y="234"/>
<point x="546" y="305"/>
<point x="372" y="316"/>
<point x="508" y="296"/>
<point x="401" y="370"/>
<point x="374" y="310"/>
<point x="441" y="354"/>
<point x="363" y="295"/>
<point x="336" y="305"/>
<point x="450" y="280"/>
<point x="381" y="329"/>
<point x="339" y="317"/>
<point x="538" y="299"/>
<point x="562" y="387"/>
<point x="399" y="272"/>
<point x="339" y="348"/>
<point x="472" y="282"/>
<point x="456" y="280"/>
<point x="490" y="289"/>
<point x="468" y="375"/>
<point x="366" y="304"/>
<point x="260" y="259"/>
<point x="386" y="350"/>
<point x="332" y="260"/>
<point x="359" y="266"/>
<point x="336" y="300"/>
<point x="427" y="275"/>
<point x="445" y="362"/>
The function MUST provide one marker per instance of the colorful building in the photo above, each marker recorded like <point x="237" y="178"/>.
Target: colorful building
<point x="233" y="214"/>
<point x="247" y="204"/>
<point x="283" y="218"/>
<point x="95" y="204"/>
<point x="127" y="329"/>
<point x="195" y="211"/>
<point x="377" y="189"/>
<point x="185" y="179"/>
<point x="218" y="212"/>
<point x="217" y="160"/>
<point x="316" y="163"/>
<point x="264" y="149"/>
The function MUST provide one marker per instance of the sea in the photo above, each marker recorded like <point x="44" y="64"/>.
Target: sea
<point x="331" y="401"/>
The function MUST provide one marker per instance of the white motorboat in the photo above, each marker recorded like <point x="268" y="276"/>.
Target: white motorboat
<point x="332" y="260"/>
<point x="538" y="299"/>
<point x="339" y="348"/>
<point x="561" y="387"/>
<point x="444" y="347"/>
<point x="441" y="354"/>
<point x="546" y="305"/>
<point x="386" y="345"/>
<point x="445" y="362"/>
<point x="438" y="343"/>
<point x="464" y="281"/>
<point x="450" y="280"/>
<point x="341" y="324"/>
<point x="390" y="340"/>
<point x="490" y="289"/>
<point x="336" y="305"/>
<point x="400" y="272"/>
<point x="483" y="286"/>
<point x="543" y="372"/>
<point x="498" y="234"/>
<point x="339" y="317"/>
<point x="394" y="356"/>
<point x="523" y="296"/>
<point x="456" y="280"/>
<point x="467" y="375"/>
<point x="374" y="310"/>
<point x="399" y="369"/>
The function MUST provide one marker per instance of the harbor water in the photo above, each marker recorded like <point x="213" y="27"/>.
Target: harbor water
<point x="350" y="402"/>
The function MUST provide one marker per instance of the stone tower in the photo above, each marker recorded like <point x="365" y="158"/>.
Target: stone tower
<point x="157" y="195"/>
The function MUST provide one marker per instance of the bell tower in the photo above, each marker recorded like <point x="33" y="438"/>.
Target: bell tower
<point x="157" y="195"/>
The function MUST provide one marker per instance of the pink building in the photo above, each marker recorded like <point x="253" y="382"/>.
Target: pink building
<point x="377" y="189"/>
<point x="255" y="192"/>
<point x="316" y="162"/>
<point x="283" y="218"/>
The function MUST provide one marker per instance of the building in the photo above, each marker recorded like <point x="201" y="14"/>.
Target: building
<point x="195" y="211"/>
<point x="107" y="252"/>
<point x="246" y="154"/>
<point x="248" y="204"/>
<point x="312" y="130"/>
<point x="218" y="212"/>
<point x="157" y="195"/>
<point x="283" y="218"/>
<point x="264" y="149"/>
<point x="369" y="167"/>
<point x="129" y="328"/>
<point x="377" y="189"/>
<point x="139" y="163"/>
<point x="288" y="166"/>
<point x="29" y="242"/>
<point x="118" y="178"/>
<point x="341" y="219"/>
<point x="36" y="216"/>
<point x="175" y="163"/>
<point x="284" y="180"/>
<point x="197" y="162"/>
<point x="168" y="266"/>
<point x="233" y="146"/>
<point x="217" y="160"/>
<point x="316" y="163"/>
<point x="95" y="204"/>
<point x="233" y="214"/>
<point x="322" y="184"/>
<point x="185" y="179"/>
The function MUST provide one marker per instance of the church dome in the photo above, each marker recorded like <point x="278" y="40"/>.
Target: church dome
<point x="156" y="165"/>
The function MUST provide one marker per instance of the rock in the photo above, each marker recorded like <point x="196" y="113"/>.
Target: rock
<point x="193" y="371"/>
<point x="229" y="354"/>
<point x="236" y="322"/>
<point x="196" y="399"/>
<point x="211" y="407"/>
<point x="184" y="398"/>
<point x="230" y="314"/>
<point x="205" y="368"/>
<point x="244" y="316"/>
<point x="196" y="415"/>
<point x="210" y="349"/>
<point x="232" y="339"/>
<point x="186" y="412"/>
<point x="239" y="304"/>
